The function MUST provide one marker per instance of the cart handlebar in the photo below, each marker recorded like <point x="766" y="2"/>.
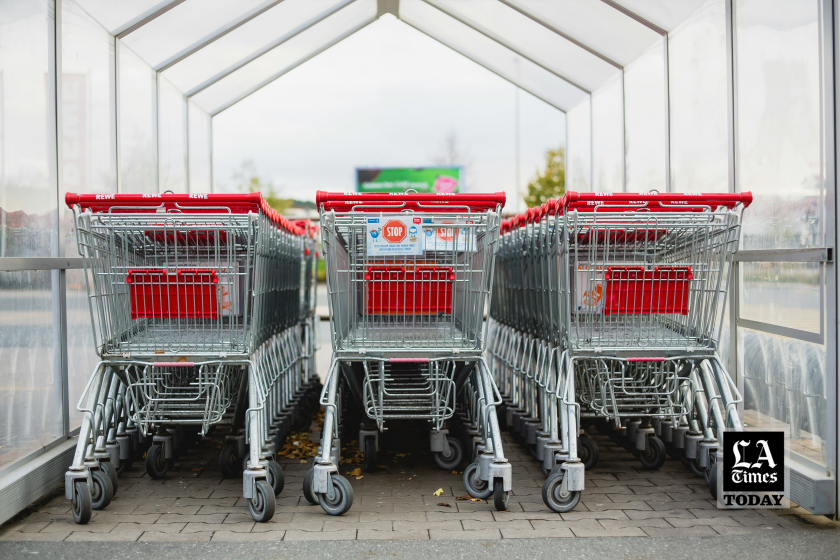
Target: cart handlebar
<point x="237" y="203"/>
<point x="379" y="202"/>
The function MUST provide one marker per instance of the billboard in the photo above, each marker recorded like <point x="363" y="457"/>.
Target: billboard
<point x="400" y="179"/>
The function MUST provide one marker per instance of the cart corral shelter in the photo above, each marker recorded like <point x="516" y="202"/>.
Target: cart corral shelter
<point x="677" y="96"/>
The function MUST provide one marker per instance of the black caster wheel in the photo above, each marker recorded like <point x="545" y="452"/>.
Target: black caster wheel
<point x="654" y="454"/>
<point x="102" y="492"/>
<point x="276" y="478"/>
<point x="695" y="467"/>
<point x="587" y="452"/>
<point x="370" y="454"/>
<point x="111" y="471"/>
<point x="476" y="487"/>
<point x="82" y="502"/>
<point x="156" y="464"/>
<point x="501" y="499"/>
<point x="453" y="459"/>
<point x="125" y="466"/>
<point x="713" y="481"/>
<point x="342" y="498"/>
<point x="307" y="487"/>
<point x="262" y="505"/>
<point x="229" y="463"/>
<point x="556" y="497"/>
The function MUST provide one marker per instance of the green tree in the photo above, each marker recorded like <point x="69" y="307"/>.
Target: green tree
<point x="551" y="182"/>
<point x="246" y="179"/>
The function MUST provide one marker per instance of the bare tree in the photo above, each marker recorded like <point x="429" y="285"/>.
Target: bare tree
<point x="451" y="154"/>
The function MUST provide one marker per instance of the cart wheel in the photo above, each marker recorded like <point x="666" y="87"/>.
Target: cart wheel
<point x="307" y="487"/>
<point x="111" y="471"/>
<point x="156" y="464"/>
<point x="654" y="454"/>
<point x="546" y="472"/>
<point x="276" y="478"/>
<point x="342" y="499"/>
<point x="713" y="481"/>
<point x="370" y="454"/>
<point x="673" y="452"/>
<point x="82" y="502"/>
<point x="501" y="499"/>
<point x="587" y="452"/>
<point x="476" y="487"/>
<point x="556" y="498"/>
<point x="456" y="455"/>
<point x="229" y="463"/>
<point x="125" y="466"/>
<point x="263" y="503"/>
<point x="695" y="467"/>
<point x="102" y="491"/>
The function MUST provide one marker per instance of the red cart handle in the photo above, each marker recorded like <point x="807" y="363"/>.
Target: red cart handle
<point x="237" y="203"/>
<point x="669" y="202"/>
<point x="383" y="202"/>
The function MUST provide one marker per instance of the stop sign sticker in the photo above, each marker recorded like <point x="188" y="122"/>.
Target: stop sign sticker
<point x="393" y="231"/>
<point x="393" y="236"/>
<point x="446" y="233"/>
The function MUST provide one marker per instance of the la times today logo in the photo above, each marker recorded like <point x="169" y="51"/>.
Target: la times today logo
<point x="753" y="469"/>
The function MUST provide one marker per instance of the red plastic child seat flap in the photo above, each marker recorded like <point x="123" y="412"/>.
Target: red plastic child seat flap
<point x="185" y="294"/>
<point x="393" y="290"/>
<point x="636" y="291"/>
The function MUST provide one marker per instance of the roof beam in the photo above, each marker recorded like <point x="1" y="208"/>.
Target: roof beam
<point x="149" y="18"/>
<point x="288" y="69"/>
<point x="635" y="16"/>
<point x="553" y="29"/>
<point x="258" y="53"/>
<point x="387" y="7"/>
<point x="499" y="40"/>
<point x="505" y="78"/>
<point x="216" y="35"/>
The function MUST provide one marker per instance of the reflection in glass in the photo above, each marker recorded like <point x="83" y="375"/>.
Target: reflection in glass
<point x="786" y="294"/>
<point x="201" y="149"/>
<point x="697" y="81"/>
<point x="644" y="119"/>
<point x="608" y="138"/>
<point x="785" y="389"/>
<point x="30" y="403"/>
<point x="172" y="138"/>
<point x="137" y="126"/>
<point x="579" y="157"/>
<point x="779" y="115"/>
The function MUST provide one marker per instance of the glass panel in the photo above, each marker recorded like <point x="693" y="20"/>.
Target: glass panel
<point x="172" y="138"/>
<point x="27" y="182"/>
<point x="644" y="120"/>
<point x="667" y="14"/>
<point x="539" y="44"/>
<point x="779" y="122"/>
<point x="491" y="55"/>
<point x="137" y="104"/>
<point x="579" y="160"/>
<point x="30" y="399"/>
<point x="187" y="25"/>
<point x="596" y="25"/>
<point x="259" y="35"/>
<point x="201" y="140"/>
<point x="117" y="16"/>
<point x="785" y="389"/>
<point x="89" y="163"/>
<point x="89" y="158"/>
<point x="286" y="57"/>
<point x="786" y="294"/>
<point x="608" y="138"/>
<point x="697" y="79"/>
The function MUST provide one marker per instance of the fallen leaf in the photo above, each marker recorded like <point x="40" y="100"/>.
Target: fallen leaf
<point x="454" y="471"/>
<point x="360" y="477"/>
<point x="381" y="467"/>
<point x="303" y="461"/>
<point x="197" y="469"/>
<point x="444" y="504"/>
<point x="439" y="491"/>
<point x="355" y="472"/>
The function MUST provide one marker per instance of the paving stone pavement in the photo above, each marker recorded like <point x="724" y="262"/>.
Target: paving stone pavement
<point x="398" y="502"/>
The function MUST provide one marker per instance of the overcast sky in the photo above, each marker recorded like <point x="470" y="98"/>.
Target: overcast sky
<point x="387" y="96"/>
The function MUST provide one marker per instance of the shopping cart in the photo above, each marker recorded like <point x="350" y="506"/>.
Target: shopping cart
<point x="628" y="293"/>
<point x="196" y="307"/>
<point x="408" y="275"/>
